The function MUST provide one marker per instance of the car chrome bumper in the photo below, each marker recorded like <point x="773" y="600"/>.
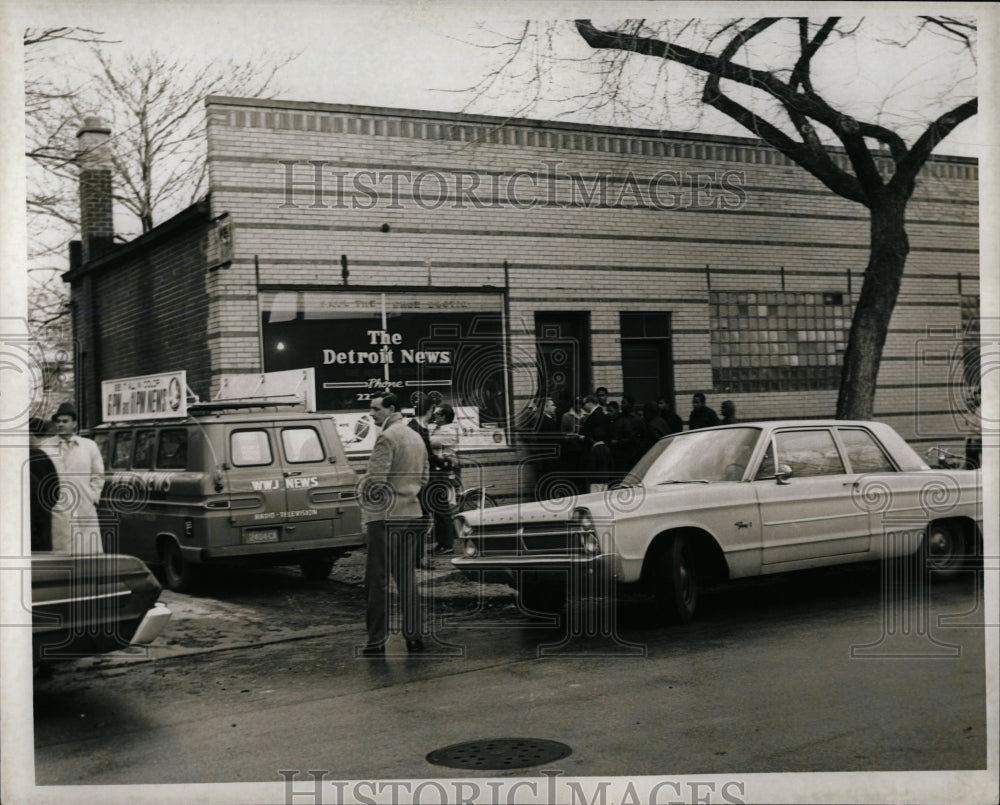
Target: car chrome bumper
<point x="151" y="625"/>
<point x="507" y="567"/>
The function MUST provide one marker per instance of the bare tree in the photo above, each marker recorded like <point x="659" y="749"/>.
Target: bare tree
<point x="52" y="206"/>
<point x="762" y="74"/>
<point x="154" y="107"/>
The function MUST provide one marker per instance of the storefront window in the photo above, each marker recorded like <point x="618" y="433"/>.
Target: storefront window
<point x="362" y="344"/>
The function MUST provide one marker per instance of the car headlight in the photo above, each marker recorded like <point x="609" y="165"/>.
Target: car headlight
<point x="582" y="520"/>
<point x="469" y="548"/>
<point x="583" y="526"/>
<point x="462" y="528"/>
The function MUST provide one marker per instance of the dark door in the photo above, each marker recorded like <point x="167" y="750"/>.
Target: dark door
<point x="563" y="348"/>
<point x="647" y="362"/>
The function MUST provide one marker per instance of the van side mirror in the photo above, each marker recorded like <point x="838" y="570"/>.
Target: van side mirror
<point x="783" y="474"/>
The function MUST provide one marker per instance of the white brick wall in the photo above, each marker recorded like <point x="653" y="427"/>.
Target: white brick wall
<point x="605" y="260"/>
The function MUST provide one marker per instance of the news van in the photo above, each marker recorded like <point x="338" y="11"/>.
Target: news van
<point x="229" y="482"/>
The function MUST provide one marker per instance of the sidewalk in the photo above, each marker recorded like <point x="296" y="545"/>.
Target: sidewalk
<point x="441" y="580"/>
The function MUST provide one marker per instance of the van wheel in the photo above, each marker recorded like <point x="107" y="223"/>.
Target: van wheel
<point x="181" y="576"/>
<point x="677" y="579"/>
<point x="316" y="569"/>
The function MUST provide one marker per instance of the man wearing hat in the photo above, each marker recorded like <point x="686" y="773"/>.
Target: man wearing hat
<point x="78" y="461"/>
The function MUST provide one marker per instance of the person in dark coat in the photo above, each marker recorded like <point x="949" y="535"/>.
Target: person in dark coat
<point x="548" y="437"/>
<point x="629" y="437"/>
<point x="728" y="413"/>
<point x="572" y="455"/>
<point x="423" y="413"/>
<point x="674" y="423"/>
<point x="44" y="487"/>
<point x="701" y="415"/>
<point x="594" y="433"/>
<point x="656" y="425"/>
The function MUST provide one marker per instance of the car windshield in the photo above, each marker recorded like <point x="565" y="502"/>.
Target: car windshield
<point x="697" y="456"/>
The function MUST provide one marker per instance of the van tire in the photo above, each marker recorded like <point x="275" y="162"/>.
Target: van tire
<point x="181" y="576"/>
<point x="316" y="569"/>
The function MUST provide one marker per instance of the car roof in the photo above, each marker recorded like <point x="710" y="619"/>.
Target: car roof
<point x="803" y="423"/>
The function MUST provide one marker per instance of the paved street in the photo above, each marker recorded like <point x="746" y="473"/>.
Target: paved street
<point x="260" y="676"/>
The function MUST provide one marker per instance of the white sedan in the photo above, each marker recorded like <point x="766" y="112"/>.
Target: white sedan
<point x="731" y="502"/>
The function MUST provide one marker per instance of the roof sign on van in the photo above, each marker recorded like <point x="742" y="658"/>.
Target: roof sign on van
<point x="160" y="396"/>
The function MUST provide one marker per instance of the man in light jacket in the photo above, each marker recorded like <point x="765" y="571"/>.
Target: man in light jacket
<point x="78" y="462"/>
<point x="394" y="523"/>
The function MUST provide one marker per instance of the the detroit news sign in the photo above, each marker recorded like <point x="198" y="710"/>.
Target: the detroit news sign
<point x="160" y="396"/>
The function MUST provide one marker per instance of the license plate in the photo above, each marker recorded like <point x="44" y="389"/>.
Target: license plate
<point x="261" y="535"/>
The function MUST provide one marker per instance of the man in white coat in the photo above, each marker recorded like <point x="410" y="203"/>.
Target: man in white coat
<point x="78" y="461"/>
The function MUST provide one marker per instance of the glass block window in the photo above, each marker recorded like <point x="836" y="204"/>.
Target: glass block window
<point x="778" y="341"/>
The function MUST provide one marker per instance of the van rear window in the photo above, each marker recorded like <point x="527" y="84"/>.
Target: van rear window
<point x="301" y="445"/>
<point x="250" y="448"/>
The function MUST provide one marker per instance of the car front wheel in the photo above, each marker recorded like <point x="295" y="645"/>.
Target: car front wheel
<point x="542" y="597"/>
<point x="944" y="549"/>
<point x="677" y="579"/>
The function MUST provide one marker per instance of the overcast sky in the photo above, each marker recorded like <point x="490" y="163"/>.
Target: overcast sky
<point x="420" y="54"/>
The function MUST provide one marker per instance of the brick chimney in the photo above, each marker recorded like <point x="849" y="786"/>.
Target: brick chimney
<point x="96" y="215"/>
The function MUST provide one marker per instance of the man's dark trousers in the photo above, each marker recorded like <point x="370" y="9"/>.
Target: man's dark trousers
<point x="392" y="549"/>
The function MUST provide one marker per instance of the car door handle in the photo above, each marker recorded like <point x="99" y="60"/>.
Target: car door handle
<point x="290" y="473"/>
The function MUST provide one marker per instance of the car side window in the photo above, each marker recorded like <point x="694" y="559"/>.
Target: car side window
<point x="809" y="453"/>
<point x="766" y="469"/>
<point x="171" y="453"/>
<point x="144" y="441"/>
<point x="863" y="452"/>
<point x="121" y="452"/>
<point x="250" y="448"/>
<point x="301" y="445"/>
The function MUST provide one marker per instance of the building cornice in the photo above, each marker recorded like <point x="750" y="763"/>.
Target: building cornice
<point x="498" y="122"/>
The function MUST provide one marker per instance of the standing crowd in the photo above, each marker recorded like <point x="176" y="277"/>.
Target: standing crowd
<point x="596" y="441"/>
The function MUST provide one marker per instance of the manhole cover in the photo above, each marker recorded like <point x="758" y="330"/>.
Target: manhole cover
<point x="499" y="753"/>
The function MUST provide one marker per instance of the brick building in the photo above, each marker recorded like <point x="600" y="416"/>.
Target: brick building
<point x="500" y="261"/>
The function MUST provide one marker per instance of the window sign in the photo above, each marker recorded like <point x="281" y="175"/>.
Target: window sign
<point x="360" y="345"/>
<point x="161" y="396"/>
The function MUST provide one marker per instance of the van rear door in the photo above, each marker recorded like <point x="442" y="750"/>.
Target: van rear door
<point x="320" y="493"/>
<point x="256" y="484"/>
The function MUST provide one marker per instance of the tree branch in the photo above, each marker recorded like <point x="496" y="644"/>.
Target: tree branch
<point x="802" y="72"/>
<point x="908" y="167"/>
<point x="818" y="163"/>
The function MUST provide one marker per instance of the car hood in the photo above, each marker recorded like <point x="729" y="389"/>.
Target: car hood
<point x="610" y="504"/>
